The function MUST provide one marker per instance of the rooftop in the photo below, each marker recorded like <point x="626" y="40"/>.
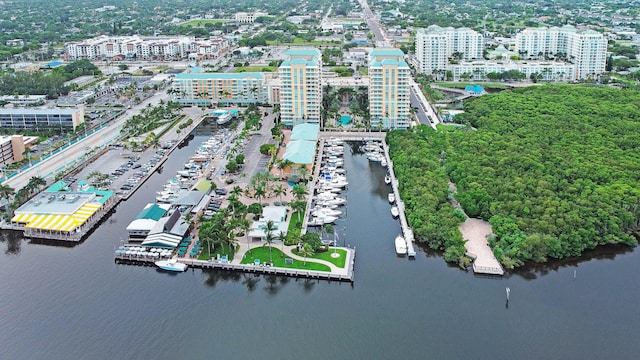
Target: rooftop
<point x="306" y="131"/>
<point x="300" y="152"/>
<point x="224" y="76"/>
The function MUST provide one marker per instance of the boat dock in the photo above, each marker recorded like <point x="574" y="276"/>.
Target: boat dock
<point x="407" y="233"/>
<point x="476" y="231"/>
<point x="249" y="268"/>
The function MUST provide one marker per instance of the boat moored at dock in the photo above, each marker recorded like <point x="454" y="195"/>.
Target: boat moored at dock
<point x="171" y="265"/>
<point x="401" y="245"/>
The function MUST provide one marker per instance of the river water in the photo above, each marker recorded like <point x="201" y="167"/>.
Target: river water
<point x="76" y="303"/>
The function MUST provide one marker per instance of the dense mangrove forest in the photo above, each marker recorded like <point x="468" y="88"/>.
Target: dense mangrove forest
<point x="555" y="169"/>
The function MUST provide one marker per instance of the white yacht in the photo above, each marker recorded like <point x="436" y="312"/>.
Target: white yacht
<point x="387" y="179"/>
<point x="171" y="265"/>
<point x="395" y="212"/>
<point x="321" y="220"/>
<point x="324" y="211"/>
<point x="401" y="245"/>
<point x="333" y="201"/>
<point x="392" y="198"/>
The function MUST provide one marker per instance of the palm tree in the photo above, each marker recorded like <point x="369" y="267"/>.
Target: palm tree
<point x="245" y="225"/>
<point x="306" y="250"/>
<point x="6" y="191"/>
<point x="299" y="206"/>
<point x="281" y="237"/>
<point x="279" y="190"/>
<point x="269" y="237"/>
<point x="237" y="190"/>
<point x="303" y="172"/>
<point x="259" y="192"/>
<point x="300" y="191"/>
<point x="327" y="229"/>
<point x="36" y="182"/>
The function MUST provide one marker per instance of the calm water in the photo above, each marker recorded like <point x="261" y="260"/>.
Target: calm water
<point x="75" y="303"/>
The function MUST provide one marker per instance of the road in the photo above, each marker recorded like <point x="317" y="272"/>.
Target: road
<point x="49" y="167"/>
<point x="424" y="112"/>
<point x="374" y="26"/>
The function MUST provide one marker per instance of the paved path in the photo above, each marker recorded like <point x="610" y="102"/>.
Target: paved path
<point x="476" y="232"/>
<point x="288" y="251"/>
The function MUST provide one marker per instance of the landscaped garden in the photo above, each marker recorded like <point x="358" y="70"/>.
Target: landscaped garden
<point x="279" y="260"/>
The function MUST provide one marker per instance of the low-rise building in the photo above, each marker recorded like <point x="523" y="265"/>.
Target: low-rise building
<point x="12" y="147"/>
<point x="41" y="119"/>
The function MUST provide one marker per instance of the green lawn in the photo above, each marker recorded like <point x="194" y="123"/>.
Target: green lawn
<point x="204" y="254"/>
<point x="202" y="22"/>
<point x="262" y="253"/>
<point x="293" y="233"/>
<point x="255" y="69"/>
<point x="326" y="256"/>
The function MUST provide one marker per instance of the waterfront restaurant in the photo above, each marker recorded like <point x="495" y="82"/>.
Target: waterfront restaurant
<point x="60" y="214"/>
<point x="301" y="148"/>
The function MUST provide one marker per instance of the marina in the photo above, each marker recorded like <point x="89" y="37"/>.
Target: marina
<point x="216" y="309"/>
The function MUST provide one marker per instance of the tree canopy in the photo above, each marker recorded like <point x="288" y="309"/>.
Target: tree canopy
<point x="555" y="169"/>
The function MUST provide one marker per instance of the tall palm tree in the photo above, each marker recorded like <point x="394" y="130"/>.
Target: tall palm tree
<point x="36" y="182"/>
<point x="326" y="229"/>
<point x="6" y="191"/>
<point x="300" y="191"/>
<point x="279" y="190"/>
<point x="237" y="191"/>
<point x="283" y="164"/>
<point x="281" y="236"/>
<point x="269" y="228"/>
<point x="306" y="250"/>
<point x="299" y="206"/>
<point x="259" y="192"/>
<point x="303" y="172"/>
<point x="245" y="225"/>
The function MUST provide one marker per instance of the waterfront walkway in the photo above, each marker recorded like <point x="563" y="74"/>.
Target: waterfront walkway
<point x="476" y="231"/>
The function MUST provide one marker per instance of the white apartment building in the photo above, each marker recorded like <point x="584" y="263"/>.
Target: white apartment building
<point x="434" y="46"/>
<point x="301" y="92"/>
<point x="248" y="18"/>
<point x="478" y="70"/>
<point x="389" y="101"/>
<point x="585" y="49"/>
<point x="136" y="47"/>
<point x="204" y="89"/>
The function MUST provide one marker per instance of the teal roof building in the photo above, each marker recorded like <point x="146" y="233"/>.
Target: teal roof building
<point x="300" y="152"/>
<point x="307" y="131"/>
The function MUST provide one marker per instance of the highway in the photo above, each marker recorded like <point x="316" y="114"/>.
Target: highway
<point x="76" y="152"/>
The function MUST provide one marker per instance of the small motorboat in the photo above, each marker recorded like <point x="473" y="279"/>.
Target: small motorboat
<point x="171" y="265"/>
<point x="395" y="212"/>
<point x="391" y="197"/>
<point x="401" y="245"/>
<point x="387" y="179"/>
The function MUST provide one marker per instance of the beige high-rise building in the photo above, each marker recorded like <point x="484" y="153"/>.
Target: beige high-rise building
<point x="301" y="92"/>
<point x="389" y="101"/>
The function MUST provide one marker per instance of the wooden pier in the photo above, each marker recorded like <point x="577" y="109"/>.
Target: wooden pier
<point x="407" y="233"/>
